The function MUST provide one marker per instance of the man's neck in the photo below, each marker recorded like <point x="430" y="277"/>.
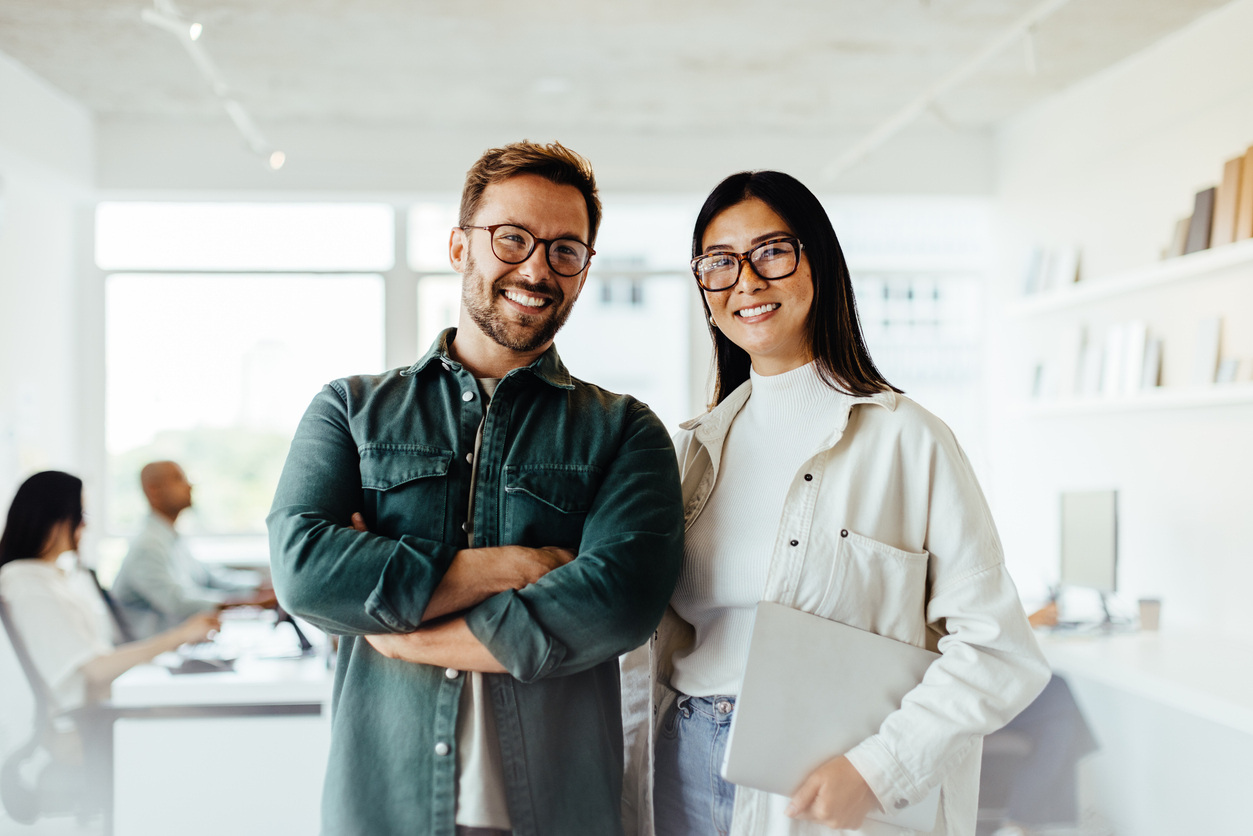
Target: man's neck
<point x="166" y="518"/>
<point x="484" y="357"/>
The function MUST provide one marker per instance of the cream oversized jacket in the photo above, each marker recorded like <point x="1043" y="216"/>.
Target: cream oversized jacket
<point x="884" y="529"/>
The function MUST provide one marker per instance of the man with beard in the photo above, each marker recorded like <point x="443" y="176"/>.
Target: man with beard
<point x="487" y="534"/>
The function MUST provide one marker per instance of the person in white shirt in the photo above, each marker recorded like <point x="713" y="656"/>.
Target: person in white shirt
<point x="160" y="583"/>
<point x="814" y="483"/>
<point x="56" y="608"/>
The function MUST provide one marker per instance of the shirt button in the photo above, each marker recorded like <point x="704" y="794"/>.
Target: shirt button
<point x="441" y="748"/>
<point x="467" y="396"/>
<point x="809" y="477"/>
<point x="451" y="673"/>
<point x="844" y="532"/>
<point x="901" y="804"/>
<point x="796" y="542"/>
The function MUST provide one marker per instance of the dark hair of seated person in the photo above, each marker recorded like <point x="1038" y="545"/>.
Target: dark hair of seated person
<point x="43" y="502"/>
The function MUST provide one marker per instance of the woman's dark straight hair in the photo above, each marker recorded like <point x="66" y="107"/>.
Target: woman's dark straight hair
<point x="41" y="503"/>
<point x="835" y="337"/>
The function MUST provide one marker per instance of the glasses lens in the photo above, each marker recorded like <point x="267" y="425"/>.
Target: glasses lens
<point x="716" y="271"/>
<point x="512" y="244"/>
<point x="567" y="256"/>
<point x="774" y="259"/>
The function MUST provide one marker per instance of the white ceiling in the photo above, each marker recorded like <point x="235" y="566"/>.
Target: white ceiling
<point x="702" y="79"/>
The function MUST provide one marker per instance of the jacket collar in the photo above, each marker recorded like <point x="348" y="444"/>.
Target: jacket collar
<point x="547" y="368"/>
<point x="714" y="424"/>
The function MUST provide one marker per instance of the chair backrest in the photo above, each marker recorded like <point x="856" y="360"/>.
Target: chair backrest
<point x="44" y="701"/>
<point x="119" y="620"/>
<point x="23" y="803"/>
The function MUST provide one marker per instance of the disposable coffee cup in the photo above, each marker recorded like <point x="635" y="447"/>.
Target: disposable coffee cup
<point x="1150" y="613"/>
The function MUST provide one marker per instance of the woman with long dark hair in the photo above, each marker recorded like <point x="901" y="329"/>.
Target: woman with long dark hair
<point x="57" y="609"/>
<point x="814" y="483"/>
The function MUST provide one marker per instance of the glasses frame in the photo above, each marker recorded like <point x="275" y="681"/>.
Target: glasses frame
<point x="747" y="256"/>
<point x="535" y="241"/>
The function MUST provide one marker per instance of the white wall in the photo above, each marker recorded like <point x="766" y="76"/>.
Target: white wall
<point x="46" y="160"/>
<point x="1110" y="165"/>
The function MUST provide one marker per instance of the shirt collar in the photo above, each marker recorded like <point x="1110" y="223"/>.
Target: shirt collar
<point x="548" y="367"/>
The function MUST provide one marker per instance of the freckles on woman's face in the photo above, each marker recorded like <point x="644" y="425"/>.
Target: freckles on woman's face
<point x="766" y="318"/>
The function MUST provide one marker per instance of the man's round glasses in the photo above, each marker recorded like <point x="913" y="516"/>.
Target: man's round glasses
<point x="514" y="244"/>
<point x="776" y="259"/>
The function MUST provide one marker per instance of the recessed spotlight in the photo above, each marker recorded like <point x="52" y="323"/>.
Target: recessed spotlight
<point x="194" y="31"/>
<point x="276" y="160"/>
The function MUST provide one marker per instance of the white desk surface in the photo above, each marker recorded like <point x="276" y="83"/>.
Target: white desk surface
<point x="255" y="679"/>
<point x="1211" y="678"/>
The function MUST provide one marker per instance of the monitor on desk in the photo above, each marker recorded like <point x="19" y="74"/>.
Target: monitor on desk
<point x="1089" y="542"/>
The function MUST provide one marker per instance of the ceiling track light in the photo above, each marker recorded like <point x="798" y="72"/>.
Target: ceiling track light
<point x="905" y="116"/>
<point x="164" y="15"/>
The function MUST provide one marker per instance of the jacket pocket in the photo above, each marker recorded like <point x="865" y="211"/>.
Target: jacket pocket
<point x="405" y="489"/>
<point x="876" y="587"/>
<point x="547" y="504"/>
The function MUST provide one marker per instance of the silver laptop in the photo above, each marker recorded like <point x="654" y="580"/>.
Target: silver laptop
<point x="813" y="689"/>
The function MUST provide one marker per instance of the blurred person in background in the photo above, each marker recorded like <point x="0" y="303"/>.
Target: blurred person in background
<point x="160" y="583"/>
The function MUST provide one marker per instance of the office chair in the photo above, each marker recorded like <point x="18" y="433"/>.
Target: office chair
<point x="55" y="790"/>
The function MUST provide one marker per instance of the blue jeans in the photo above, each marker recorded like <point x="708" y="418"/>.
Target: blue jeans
<point x="690" y="798"/>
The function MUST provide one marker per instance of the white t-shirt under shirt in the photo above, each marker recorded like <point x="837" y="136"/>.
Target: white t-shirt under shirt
<point x="63" y="620"/>
<point x="726" y="553"/>
<point x="480" y="774"/>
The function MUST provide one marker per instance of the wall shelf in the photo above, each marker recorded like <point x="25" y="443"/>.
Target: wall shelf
<point x="1182" y="268"/>
<point x="1220" y="394"/>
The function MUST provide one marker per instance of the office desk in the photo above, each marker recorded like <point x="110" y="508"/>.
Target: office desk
<point x="256" y="767"/>
<point x="1173" y="715"/>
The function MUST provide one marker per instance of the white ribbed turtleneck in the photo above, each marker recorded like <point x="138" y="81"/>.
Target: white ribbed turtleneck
<point x="727" y="550"/>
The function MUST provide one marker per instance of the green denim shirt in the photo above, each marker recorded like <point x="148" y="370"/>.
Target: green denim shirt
<point x="561" y="463"/>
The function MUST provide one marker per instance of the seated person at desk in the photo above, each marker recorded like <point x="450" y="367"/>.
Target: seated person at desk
<point x="57" y="610"/>
<point x="160" y="583"/>
<point x="1029" y="766"/>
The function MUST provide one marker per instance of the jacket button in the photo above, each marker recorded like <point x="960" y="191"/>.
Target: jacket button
<point x="465" y="526"/>
<point x="809" y="477"/>
<point x="451" y="673"/>
<point x="442" y="749"/>
<point x="469" y="458"/>
<point x="901" y="804"/>
<point x="796" y="542"/>
<point x="447" y="367"/>
<point x="844" y="532"/>
<point x="467" y="396"/>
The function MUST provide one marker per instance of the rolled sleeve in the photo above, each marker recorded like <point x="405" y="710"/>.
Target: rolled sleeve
<point x="609" y="599"/>
<point x="344" y="581"/>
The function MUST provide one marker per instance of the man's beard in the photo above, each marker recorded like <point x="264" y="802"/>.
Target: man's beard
<point x="483" y="306"/>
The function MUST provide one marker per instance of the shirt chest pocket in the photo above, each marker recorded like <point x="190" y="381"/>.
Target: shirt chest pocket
<point x="547" y="504"/>
<point x="868" y="584"/>
<point x="405" y="488"/>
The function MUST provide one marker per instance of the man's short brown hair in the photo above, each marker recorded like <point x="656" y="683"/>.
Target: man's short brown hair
<point x="553" y="162"/>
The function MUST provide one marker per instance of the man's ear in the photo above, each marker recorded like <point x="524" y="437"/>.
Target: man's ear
<point x="458" y="252"/>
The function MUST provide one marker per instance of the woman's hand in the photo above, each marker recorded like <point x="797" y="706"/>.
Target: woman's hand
<point x="199" y="628"/>
<point x="834" y="795"/>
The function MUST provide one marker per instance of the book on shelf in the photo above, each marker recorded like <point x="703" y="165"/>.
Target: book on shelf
<point x="1064" y="267"/>
<point x="1135" y="343"/>
<point x="1244" y="207"/>
<point x="1202" y="221"/>
<point x="1152" y="370"/>
<point x="1180" y="241"/>
<point x="1205" y="360"/>
<point x="1226" y="203"/>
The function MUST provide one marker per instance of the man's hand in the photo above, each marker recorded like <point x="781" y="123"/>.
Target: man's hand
<point x="834" y="795"/>
<point x="449" y="644"/>
<point x="477" y="574"/>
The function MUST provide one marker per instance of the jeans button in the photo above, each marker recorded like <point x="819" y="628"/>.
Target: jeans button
<point x="724" y="706"/>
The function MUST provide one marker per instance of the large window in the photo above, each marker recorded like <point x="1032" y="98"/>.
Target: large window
<point x="214" y="351"/>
